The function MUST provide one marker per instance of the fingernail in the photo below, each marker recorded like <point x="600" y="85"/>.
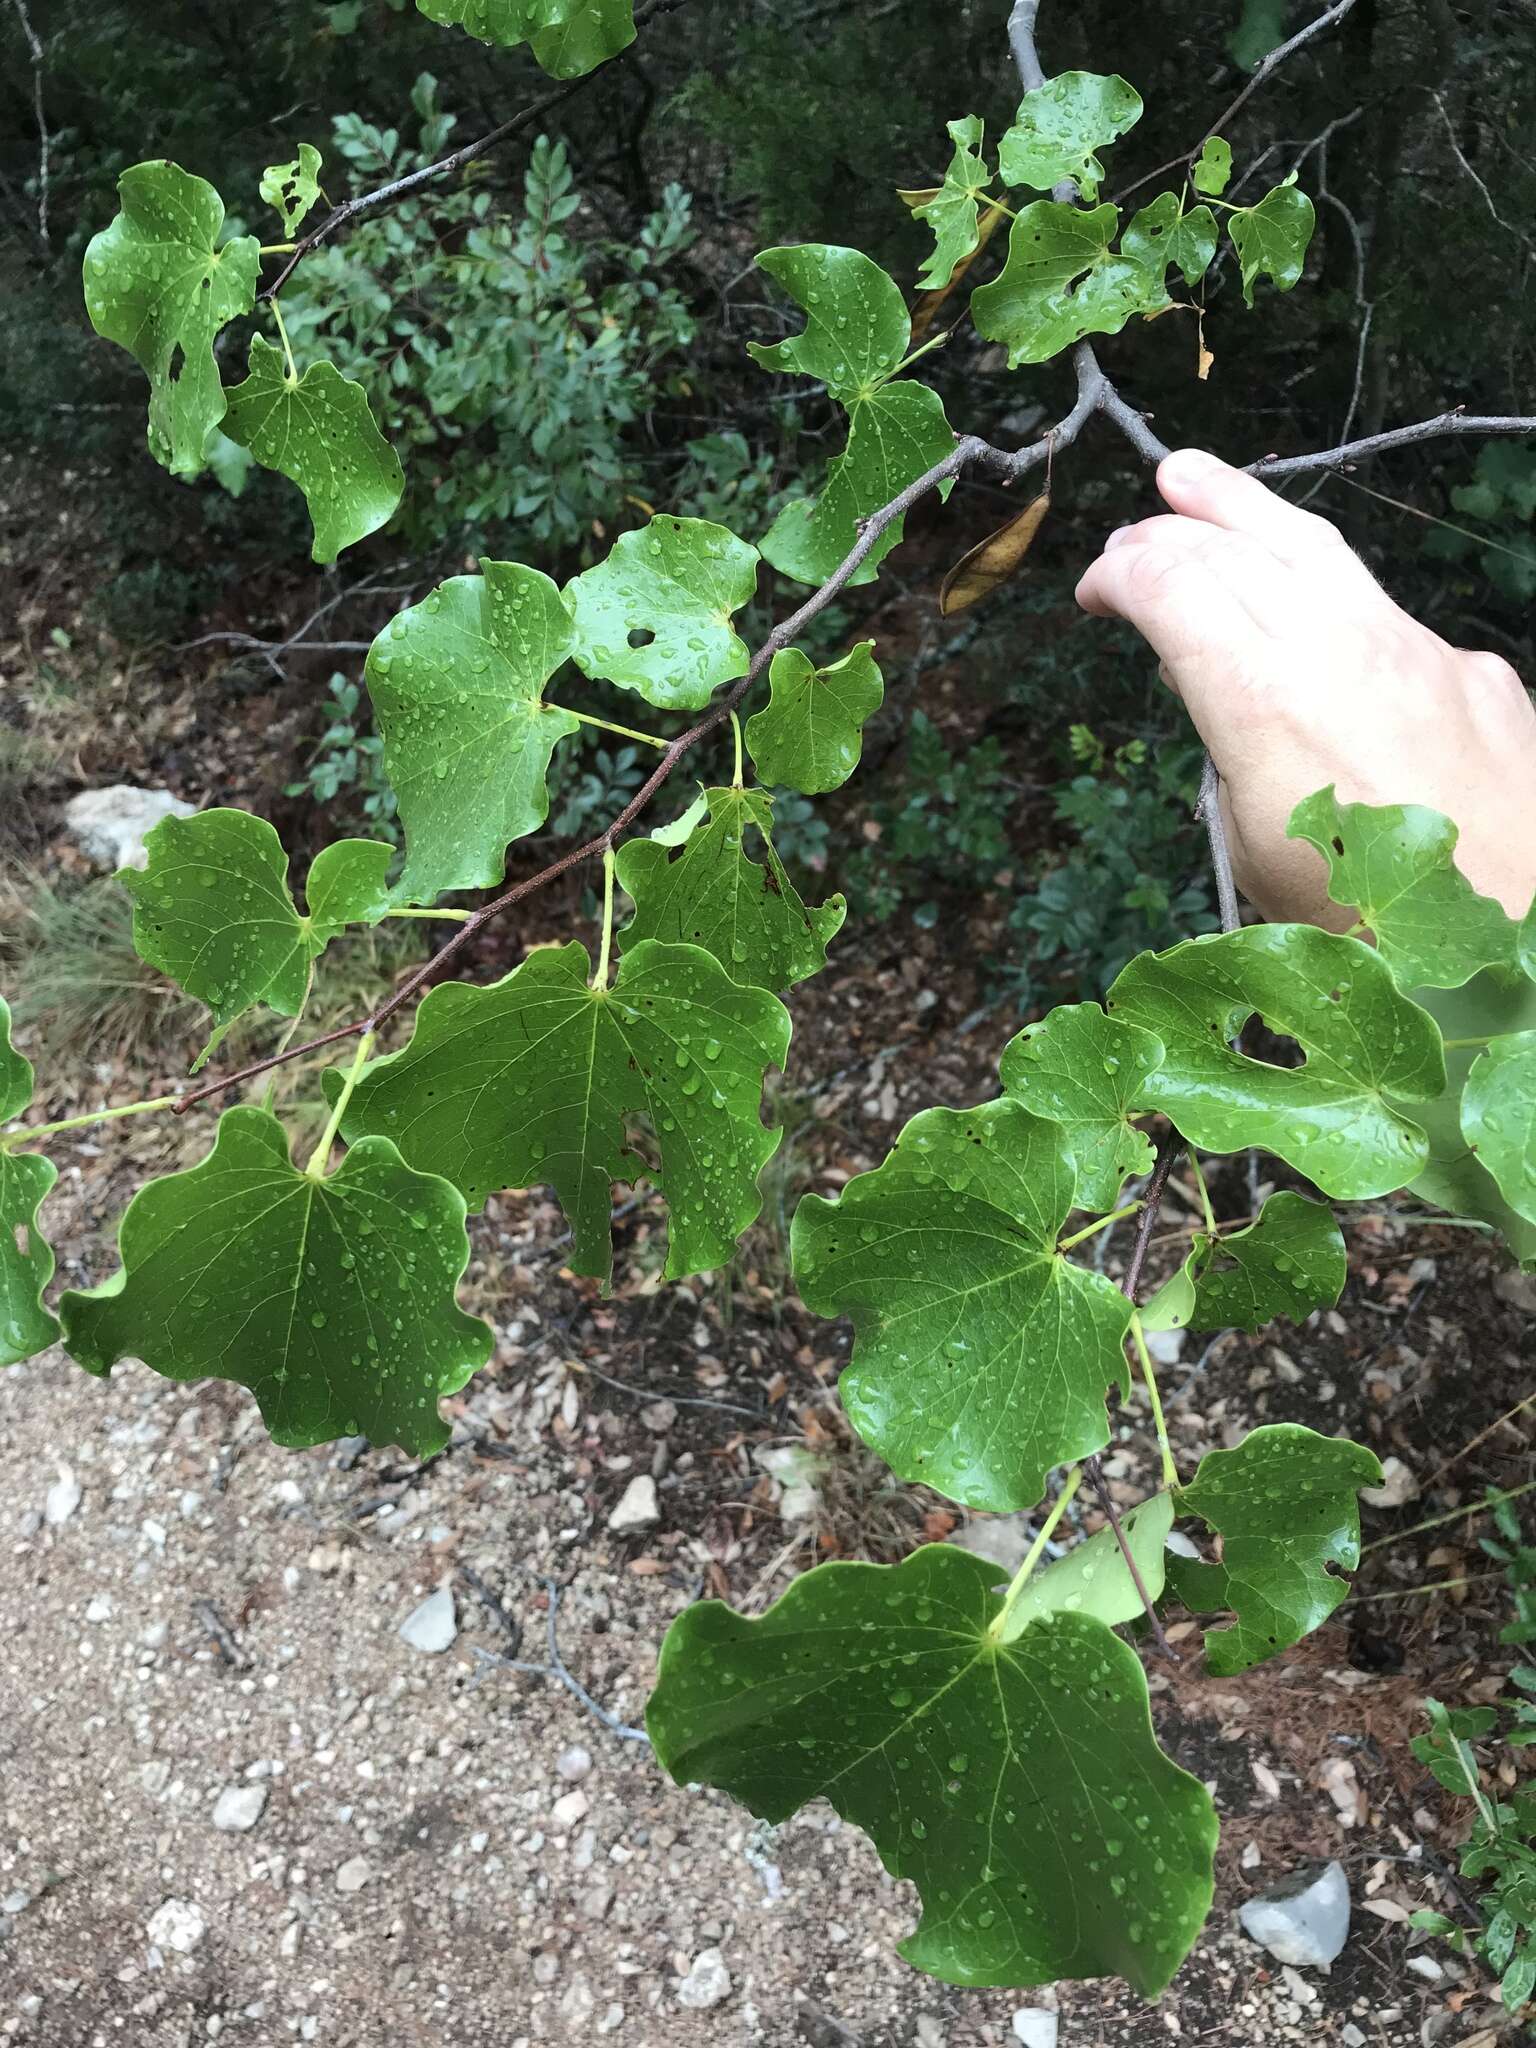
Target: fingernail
<point x="1190" y="466"/>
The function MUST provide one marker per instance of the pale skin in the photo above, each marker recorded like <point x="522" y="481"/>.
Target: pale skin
<point x="1298" y="670"/>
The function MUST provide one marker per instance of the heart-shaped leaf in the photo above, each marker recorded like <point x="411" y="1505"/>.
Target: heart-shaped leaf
<point x="1062" y="279"/>
<point x="1289" y="1263"/>
<point x="1283" y="1502"/>
<point x="655" y="617"/>
<point x="1272" y="238"/>
<point x="856" y="325"/>
<point x="1018" y="1785"/>
<point x="26" y="1261"/>
<point x="1086" y="1072"/>
<point x="1498" y="1117"/>
<point x="982" y="1355"/>
<point x="332" y="1300"/>
<point x="811" y="733"/>
<point x="587" y="36"/>
<point x="1212" y="170"/>
<point x="1060" y="126"/>
<point x="1455" y="1178"/>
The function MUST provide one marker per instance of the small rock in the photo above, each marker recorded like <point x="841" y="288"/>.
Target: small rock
<point x="100" y="1608"/>
<point x="434" y="1625"/>
<point x="1398" y="1486"/>
<point x="707" y="1984"/>
<point x="1166" y="1346"/>
<point x="1351" y="2035"/>
<point x="1035" y="2027"/>
<point x="638" y="1507"/>
<point x="62" y="1498"/>
<point x="930" y="2032"/>
<point x="155" y="1777"/>
<point x="1517" y="1289"/>
<point x="1297" y="1985"/>
<point x="177" y="1926"/>
<point x="238" y="1807"/>
<point x="574" y="1763"/>
<point x="569" y="1809"/>
<point x="354" y="1874"/>
<point x="15" y="1902"/>
<point x="1302" y="1920"/>
<point x="110" y="825"/>
<point x="1427" y="1968"/>
<point x="1002" y="1540"/>
<point x="658" y="1416"/>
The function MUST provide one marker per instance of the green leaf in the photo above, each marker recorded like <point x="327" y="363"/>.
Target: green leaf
<point x="1455" y="1178"/>
<point x="26" y="1261"/>
<point x="713" y="895"/>
<point x="1031" y="306"/>
<point x="1059" y="127"/>
<point x="1362" y="1041"/>
<point x="894" y="437"/>
<point x="1093" y="1578"/>
<point x="811" y="733"/>
<point x="1272" y="238"/>
<point x="457" y="685"/>
<point x="982" y="1355"/>
<point x="952" y="212"/>
<point x="317" y="430"/>
<point x="504" y="23"/>
<point x="228" y="462"/>
<point x="212" y="909"/>
<point x="1192" y="243"/>
<point x="332" y="1300"/>
<point x="1213" y="168"/>
<point x="856" y="325"/>
<point x="538" y="1078"/>
<point x="157" y="284"/>
<point x="655" y="617"/>
<point x="587" y="37"/>
<point x="1018" y="1785"/>
<point x="1498" y="1117"/>
<point x="1289" y="1263"/>
<point x="1085" y="1071"/>
<point x="345" y="885"/>
<point x="293" y="188"/>
<point x="1395" y="865"/>
<point x="1283" y="1502"/>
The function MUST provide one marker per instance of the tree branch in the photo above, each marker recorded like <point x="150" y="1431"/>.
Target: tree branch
<point x="391" y="194"/>
<point x="1454" y="424"/>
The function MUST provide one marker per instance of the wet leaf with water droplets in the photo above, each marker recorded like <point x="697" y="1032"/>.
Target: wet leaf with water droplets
<point x="1272" y="238"/>
<point x="714" y="895"/>
<point x="345" y="885"/>
<point x="1018" y="1785"/>
<point x="1094" y="1579"/>
<point x="26" y="1261"/>
<point x="536" y="1079"/>
<point x="1059" y="127"/>
<point x="952" y="211"/>
<point x="655" y="617"/>
<point x="1084" y="1071"/>
<point x="1283" y="1502"/>
<point x="332" y="1300"/>
<point x="568" y="37"/>
<point x="291" y="189"/>
<point x="1498" y="1117"/>
<point x="1289" y="1263"/>
<point x="1455" y="1178"/>
<point x="811" y="733"/>
<point x="1063" y="280"/>
<point x="982" y="1356"/>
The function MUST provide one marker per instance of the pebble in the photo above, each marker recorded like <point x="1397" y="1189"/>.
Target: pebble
<point x="659" y="1416"/>
<point x="176" y="1925"/>
<point x="238" y="1807"/>
<point x="1166" y="1346"/>
<point x="1035" y="2027"/>
<point x="707" y="1984"/>
<point x="62" y="1498"/>
<point x="930" y="2032"/>
<point x="1302" y="1920"/>
<point x="1398" y="1487"/>
<point x="110" y="825"/>
<point x="354" y="1874"/>
<point x="638" y="1507"/>
<point x="569" y="1809"/>
<point x="574" y="1763"/>
<point x="100" y="1608"/>
<point x="434" y="1625"/>
<point x="1517" y="1289"/>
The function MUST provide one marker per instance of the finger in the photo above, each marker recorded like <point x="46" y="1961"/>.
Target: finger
<point x="1190" y="617"/>
<point x="1265" y="589"/>
<point x="1201" y="486"/>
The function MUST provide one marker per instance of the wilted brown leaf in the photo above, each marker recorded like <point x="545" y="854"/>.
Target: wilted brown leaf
<point x="977" y="574"/>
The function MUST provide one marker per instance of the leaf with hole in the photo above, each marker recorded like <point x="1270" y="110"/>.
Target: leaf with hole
<point x="1362" y="1042"/>
<point x="1212" y="169"/>
<point x="1394" y="864"/>
<point x="655" y="617"/>
<point x="292" y="189"/>
<point x="1498" y="1117"/>
<point x="951" y="211"/>
<point x="988" y="566"/>
<point x="1094" y="1579"/>
<point x="318" y="431"/>
<point x="457" y="684"/>
<point x="1059" y="127"/>
<point x="1085" y="1071"/>
<point x="333" y="1300"/>
<point x="1018" y="1785"/>
<point x="158" y="284"/>
<point x="540" y="1078"/>
<point x="747" y="914"/>
<point x="1272" y="238"/>
<point x="1063" y="280"/>
<point x="982" y="1355"/>
<point x="1290" y="1263"/>
<point x="856" y="325"/>
<point x="1284" y="1503"/>
<point x="811" y="732"/>
<point x="26" y="1260"/>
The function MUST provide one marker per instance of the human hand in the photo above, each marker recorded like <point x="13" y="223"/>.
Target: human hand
<point x="1298" y="671"/>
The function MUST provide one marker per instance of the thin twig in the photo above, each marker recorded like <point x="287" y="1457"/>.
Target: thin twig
<point x="1094" y="1473"/>
<point x="35" y="47"/>
<point x="1455" y="424"/>
<point x="559" y="1670"/>
<point x="1208" y="812"/>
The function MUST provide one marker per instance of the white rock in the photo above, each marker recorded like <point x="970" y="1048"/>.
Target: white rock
<point x="569" y="1809"/>
<point x="238" y="1807"/>
<point x="930" y="2032"/>
<point x="1518" y="1289"/>
<point x="100" y="1608"/>
<point x="574" y="1763"/>
<point x="434" y="1625"/>
<point x="354" y="1874"/>
<point x="176" y="1925"/>
<point x="1166" y="1346"/>
<point x="1002" y="1540"/>
<point x="1034" y="2027"/>
<point x="1304" y="1919"/>
<point x="638" y="1508"/>
<point x="109" y="825"/>
<point x="1399" y="1486"/>
<point x="62" y="1498"/>
<point x="707" y="1984"/>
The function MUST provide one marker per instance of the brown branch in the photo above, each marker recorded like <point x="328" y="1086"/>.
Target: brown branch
<point x="1447" y="424"/>
<point x="364" y="203"/>
<point x="1208" y="813"/>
